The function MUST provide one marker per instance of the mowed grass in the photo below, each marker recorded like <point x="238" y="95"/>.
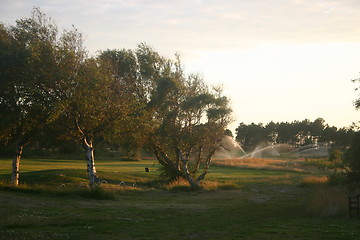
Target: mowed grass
<point x="235" y="203"/>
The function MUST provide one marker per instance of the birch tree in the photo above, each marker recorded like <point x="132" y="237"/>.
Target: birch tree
<point x="99" y="105"/>
<point x="36" y="65"/>
<point x="178" y="117"/>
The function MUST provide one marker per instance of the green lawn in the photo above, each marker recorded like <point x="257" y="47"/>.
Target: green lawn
<point x="29" y="165"/>
<point x="236" y="203"/>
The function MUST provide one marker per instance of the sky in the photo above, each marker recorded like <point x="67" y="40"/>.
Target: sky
<point x="277" y="60"/>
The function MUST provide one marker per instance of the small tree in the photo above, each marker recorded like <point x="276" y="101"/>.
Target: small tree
<point x="352" y="155"/>
<point x="190" y="121"/>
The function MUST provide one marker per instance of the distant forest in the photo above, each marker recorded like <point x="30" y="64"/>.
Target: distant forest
<point x="296" y="134"/>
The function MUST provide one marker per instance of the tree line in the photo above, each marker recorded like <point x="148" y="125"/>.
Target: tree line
<point x="295" y="133"/>
<point x="49" y="85"/>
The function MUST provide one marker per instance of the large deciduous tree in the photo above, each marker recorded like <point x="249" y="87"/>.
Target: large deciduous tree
<point x="191" y="123"/>
<point x="188" y="119"/>
<point x="99" y="105"/>
<point x="181" y="118"/>
<point x="36" y="65"/>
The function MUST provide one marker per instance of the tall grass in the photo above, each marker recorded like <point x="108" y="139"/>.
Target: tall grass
<point x="328" y="201"/>
<point x="299" y="165"/>
<point x="324" y="163"/>
<point x="261" y="163"/>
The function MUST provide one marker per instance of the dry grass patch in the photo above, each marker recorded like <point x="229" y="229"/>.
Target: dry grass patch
<point x="214" y="185"/>
<point x="182" y="184"/>
<point x="328" y="201"/>
<point x="312" y="180"/>
<point x="261" y="163"/>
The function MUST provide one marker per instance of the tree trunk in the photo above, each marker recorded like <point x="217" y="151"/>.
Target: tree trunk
<point x="193" y="184"/>
<point x="171" y="168"/>
<point x="90" y="163"/>
<point x="207" y="165"/>
<point x="16" y="165"/>
<point x="197" y="164"/>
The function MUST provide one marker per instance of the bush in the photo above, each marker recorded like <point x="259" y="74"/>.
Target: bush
<point x="324" y="163"/>
<point x="336" y="155"/>
<point x="352" y="155"/>
<point x="170" y="174"/>
<point x="338" y="178"/>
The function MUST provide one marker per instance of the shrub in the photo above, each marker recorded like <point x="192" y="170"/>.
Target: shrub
<point x="352" y="155"/>
<point x="324" y="163"/>
<point x="169" y="174"/>
<point x="338" y="178"/>
<point x="336" y="155"/>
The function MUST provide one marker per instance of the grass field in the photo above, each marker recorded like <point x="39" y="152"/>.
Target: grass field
<point x="237" y="202"/>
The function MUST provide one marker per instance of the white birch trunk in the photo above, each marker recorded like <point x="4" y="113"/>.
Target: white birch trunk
<point x="193" y="184"/>
<point x="16" y="166"/>
<point x="90" y="163"/>
<point x="208" y="162"/>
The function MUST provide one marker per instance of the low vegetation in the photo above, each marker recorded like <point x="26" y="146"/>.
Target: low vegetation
<point x="54" y="201"/>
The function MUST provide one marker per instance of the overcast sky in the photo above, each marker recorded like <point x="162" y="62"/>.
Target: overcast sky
<point x="278" y="60"/>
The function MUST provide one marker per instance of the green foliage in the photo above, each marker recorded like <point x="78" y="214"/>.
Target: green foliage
<point x="352" y="156"/>
<point x="336" y="155"/>
<point x="357" y="101"/>
<point x="49" y="86"/>
<point x="228" y="132"/>
<point x="169" y="174"/>
<point x="39" y="65"/>
<point x="176" y="111"/>
<point x="325" y="163"/>
<point x="338" y="178"/>
<point x="36" y="77"/>
<point x="296" y="133"/>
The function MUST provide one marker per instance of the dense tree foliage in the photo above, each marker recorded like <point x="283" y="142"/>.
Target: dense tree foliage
<point x="181" y="119"/>
<point x="296" y="133"/>
<point x="36" y="65"/>
<point x="352" y="155"/>
<point x="97" y="108"/>
<point x="48" y="84"/>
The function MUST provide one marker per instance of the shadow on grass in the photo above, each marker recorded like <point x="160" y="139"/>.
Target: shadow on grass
<point x="97" y="193"/>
